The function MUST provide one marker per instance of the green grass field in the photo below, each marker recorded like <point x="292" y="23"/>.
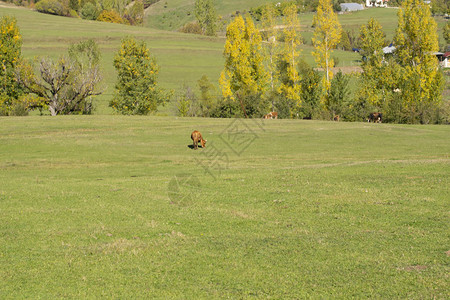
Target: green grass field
<point x="121" y="207"/>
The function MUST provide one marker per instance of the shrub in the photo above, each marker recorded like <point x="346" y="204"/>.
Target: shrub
<point x="110" y="16"/>
<point x="52" y="7"/>
<point x="89" y="12"/>
<point x="192" y="27"/>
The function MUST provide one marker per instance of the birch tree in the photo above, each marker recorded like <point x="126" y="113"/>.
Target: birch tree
<point x="327" y="34"/>
<point x="244" y="75"/>
<point x="290" y="83"/>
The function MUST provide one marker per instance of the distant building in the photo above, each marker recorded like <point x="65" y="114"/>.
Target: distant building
<point x="376" y="3"/>
<point x="389" y="49"/>
<point x="444" y="59"/>
<point x="351" y="7"/>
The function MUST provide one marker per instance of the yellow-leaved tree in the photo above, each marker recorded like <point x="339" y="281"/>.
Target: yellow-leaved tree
<point x="244" y="77"/>
<point x="289" y="77"/>
<point x="416" y="40"/>
<point x="10" y="53"/>
<point x="373" y="85"/>
<point x="327" y="34"/>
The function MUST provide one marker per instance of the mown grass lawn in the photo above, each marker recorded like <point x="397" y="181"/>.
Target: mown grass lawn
<point x="122" y="207"/>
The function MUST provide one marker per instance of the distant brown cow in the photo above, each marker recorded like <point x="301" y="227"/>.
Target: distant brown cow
<point x="196" y="137"/>
<point x="375" y="117"/>
<point x="336" y="118"/>
<point x="271" y="115"/>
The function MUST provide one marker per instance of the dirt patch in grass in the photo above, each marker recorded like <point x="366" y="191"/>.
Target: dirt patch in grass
<point x="413" y="268"/>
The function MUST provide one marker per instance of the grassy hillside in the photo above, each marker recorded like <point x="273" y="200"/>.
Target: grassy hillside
<point x="183" y="58"/>
<point x="173" y="14"/>
<point x="121" y="207"/>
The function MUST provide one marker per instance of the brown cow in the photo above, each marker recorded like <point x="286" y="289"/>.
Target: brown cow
<point x="375" y="117"/>
<point x="271" y="115"/>
<point x="196" y="137"/>
<point x="336" y="118"/>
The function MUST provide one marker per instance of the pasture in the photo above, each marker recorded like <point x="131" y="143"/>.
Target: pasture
<point x="122" y="207"/>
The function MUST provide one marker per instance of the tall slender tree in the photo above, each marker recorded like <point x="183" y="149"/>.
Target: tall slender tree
<point x="290" y="84"/>
<point x="10" y="54"/>
<point x="244" y="74"/>
<point x="416" y="40"/>
<point x="327" y="34"/>
<point x="372" y="42"/>
<point x="268" y="21"/>
<point x="206" y="15"/>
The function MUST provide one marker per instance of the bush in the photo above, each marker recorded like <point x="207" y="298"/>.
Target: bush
<point x="110" y="16"/>
<point x="193" y="27"/>
<point x="89" y="12"/>
<point x="52" y="7"/>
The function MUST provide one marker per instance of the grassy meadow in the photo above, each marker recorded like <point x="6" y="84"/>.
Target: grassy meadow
<point x="122" y="207"/>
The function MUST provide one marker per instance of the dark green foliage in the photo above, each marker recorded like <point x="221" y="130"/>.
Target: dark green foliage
<point x="227" y="108"/>
<point x="337" y="100"/>
<point x="311" y="86"/>
<point x="206" y="99"/>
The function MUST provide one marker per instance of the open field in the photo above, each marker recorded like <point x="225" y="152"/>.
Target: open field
<point x="121" y="207"/>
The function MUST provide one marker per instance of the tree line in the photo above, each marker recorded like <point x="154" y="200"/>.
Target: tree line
<point x="264" y="70"/>
<point x="262" y="73"/>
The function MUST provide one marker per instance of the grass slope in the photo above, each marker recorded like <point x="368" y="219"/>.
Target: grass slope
<point x="183" y="58"/>
<point x="120" y="207"/>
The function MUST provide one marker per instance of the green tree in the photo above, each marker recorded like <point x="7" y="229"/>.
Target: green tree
<point x="416" y="39"/>
<point x="373" y="78"/>
<point x="327" y="34"/>
<point x="244" y="76"/>
<point x="447" y="32"/>
<point x="206" y="99"/>
<point x="206" y="16"/>
<point x="290" y="81"/>
<point x="10" y="55"/>
<point x="311" y="91"/>
<point x="137" y="91"/>
<point x="67" y="84"/>
<point x="338" y="96"/>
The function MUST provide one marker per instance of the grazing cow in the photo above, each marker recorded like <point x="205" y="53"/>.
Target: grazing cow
<point x="196" y="137"/>
<point x="375" y="117"/>
<point x="336" y="118"/>
<point x="271" y="115"/>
